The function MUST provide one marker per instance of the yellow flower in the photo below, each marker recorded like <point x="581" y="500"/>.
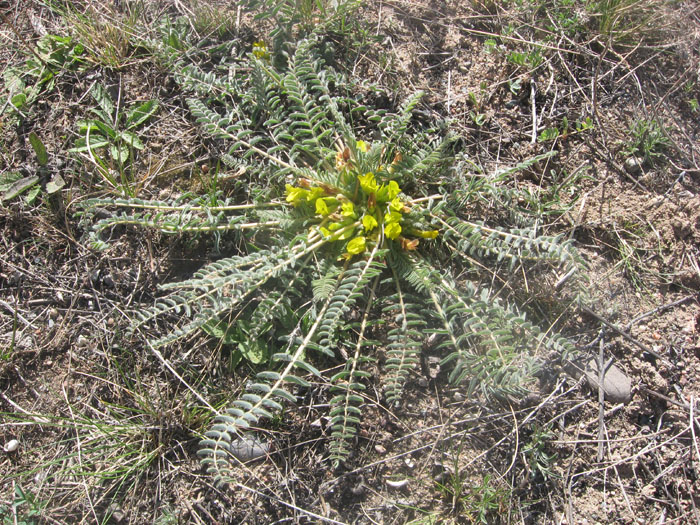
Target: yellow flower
<point x="314" y="193"/>
<point x="348" y="209"/>
<point x="334" y="228"/>
<point x="260" y="50"/>
<point x="392" y="216"/>
<point x="295" y="195"/>
<point x="369" y="222"/>
<point x="392" y="230"/>
<point x="362" y="146"/>
<point x="396" y="205"/>
<point x="388" y="192"/>
<point x="357" y="245"/>
<point x="346" y="234"/>
<point x="321" y="207"/>
<point x="368" y="183"/>
<point x="426" y="234"/>
<point x="394" y="189"/>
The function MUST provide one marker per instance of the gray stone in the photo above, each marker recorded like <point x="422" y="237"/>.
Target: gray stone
<point x="249" y="448"/>
<point x="616" y="385"/>
<point x="11" y="446"/>
<point x="633" y="166"/>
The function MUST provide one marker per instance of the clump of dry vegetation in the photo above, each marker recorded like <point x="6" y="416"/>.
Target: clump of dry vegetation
<point x="438" y="362"/>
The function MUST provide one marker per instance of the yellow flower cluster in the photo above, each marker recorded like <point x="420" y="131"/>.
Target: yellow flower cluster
<point x="260" y="50"/>
<point x="372" y="206"/>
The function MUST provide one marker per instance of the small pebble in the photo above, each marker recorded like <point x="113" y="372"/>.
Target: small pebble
<point x="380" y="449"/>
<point x="115" y="513"/>
<point x="249" y="448"/>
<point x="433" y="366"/>
<point x="11" y="446"/>
<point x="397" y="484"/>
<point x="358" y="489"/>
<point x="633" y="165"/>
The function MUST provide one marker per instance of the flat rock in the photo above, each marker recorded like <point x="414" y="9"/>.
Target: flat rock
<point x="616" y="385"/>
<point x="249" y="448"/>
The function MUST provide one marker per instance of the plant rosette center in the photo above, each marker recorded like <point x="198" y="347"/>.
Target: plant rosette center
<point x="361" y="212"/>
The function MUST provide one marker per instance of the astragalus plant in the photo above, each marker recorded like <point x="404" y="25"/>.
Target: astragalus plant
<point x="354" y="230"/>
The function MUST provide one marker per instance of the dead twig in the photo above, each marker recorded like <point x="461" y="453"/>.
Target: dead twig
<point x="602" y="367"/>
<point x="627" y="336"/>
<point x="533" y="92"/>
<point x="657" y="310"/>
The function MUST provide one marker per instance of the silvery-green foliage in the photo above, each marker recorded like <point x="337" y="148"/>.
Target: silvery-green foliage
<point x="297" y="124"/>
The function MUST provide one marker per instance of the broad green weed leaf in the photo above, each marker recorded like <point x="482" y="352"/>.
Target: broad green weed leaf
<point x="13" y="81"/>
<point x="254" y="351"/>
<point x="55" y="185"/>
<point x="99" y="93"/>
<point x="101" y="115"/>
<point x="8" y="179"/>
<point x="221" y="330"/>
<point x="33" y="194"/>
<point x="140" y="114"/>
<point x="119" y="152"/>
<point x="19" y="187"/>
<point x="19" y="100"/>
<point x="41" y="156"/>
<point x="106" y="129"/>
<point x="131" y="139"/>
<point x="96" y="141"/>
<point x="84" y="125"/>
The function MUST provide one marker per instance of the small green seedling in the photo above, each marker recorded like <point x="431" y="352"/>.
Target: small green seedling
<point x="648" y="140"/>
<point x="514" y="86"/>
<point x="13" y="184"/>
<point x="479" y="503"/>
<point x="25" y="83"/>
<point x="539" y="460"/>
<point x="26" y="509"/>
<point x="563" y="132"/>
<point x="105" y="130"/>
<point x="530" y="60"/>
<point x="116" y="130"/>
<point x="548" y="134"/>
